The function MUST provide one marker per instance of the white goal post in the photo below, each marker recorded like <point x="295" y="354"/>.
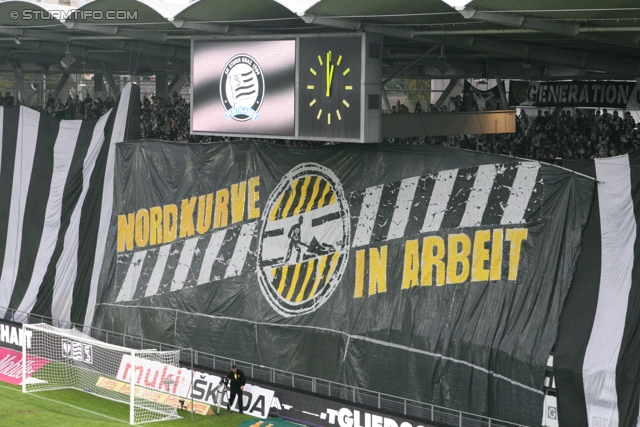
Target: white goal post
<point x="68" y="359"/>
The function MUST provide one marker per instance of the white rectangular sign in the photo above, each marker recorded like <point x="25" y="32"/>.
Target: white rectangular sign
<point x="156" y="376"/>
<point x="256" y="400"/>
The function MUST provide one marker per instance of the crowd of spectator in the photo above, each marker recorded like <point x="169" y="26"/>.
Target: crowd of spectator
<point x="546" y="137"/>
<point x="74" y="108"/>
<point x="550" y="137"/>
<point x="400" y="108"/>
<point x="169" y="120"/>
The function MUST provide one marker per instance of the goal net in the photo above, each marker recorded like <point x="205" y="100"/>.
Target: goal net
<point x="69" y="359"/>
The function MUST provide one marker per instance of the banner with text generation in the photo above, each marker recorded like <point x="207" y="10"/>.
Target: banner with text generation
<point x="588" y="94"/>
<point x="431" y="273"/>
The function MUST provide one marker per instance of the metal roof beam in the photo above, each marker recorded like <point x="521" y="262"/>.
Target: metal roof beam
<point x="114" y="30"/>
<point x="111" y="30"/>
<point x="201" y="26"/>
<point x="151" y="51"/>
<point x="206" y="27"/>
<point x="51" y="54"/>
<point x="474" y="32"/>
<point x="554" y="27"/>
<point x="564" y="57"/>
<point x="143" y="35"/>
<point x="135" y="48"/>
<point x="332" y="22"/>
<point x="520" y="21"/>
<point x="46" y="35"/>
<point x="36" y="34"/>
<point x="89" y="66"/>
<point x="409" y="65"/>
<point x="402" y="33"/>
<point x="464" y="56"/>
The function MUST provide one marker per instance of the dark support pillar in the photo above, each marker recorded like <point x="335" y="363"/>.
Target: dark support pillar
<point x="98" y="86"/>
<point x="386" y="99"/>
<point x="19" y="83"/>
<point x="161" y="85"/>
<point x="444" y="97"/>
<point x="177" y="84"/>
<point x="503" y="92"/>
<point x="113" y="86"/>
<point x="63" y="87"/>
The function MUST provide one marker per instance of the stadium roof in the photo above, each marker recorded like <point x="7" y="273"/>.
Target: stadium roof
<point x="536" y="39"/>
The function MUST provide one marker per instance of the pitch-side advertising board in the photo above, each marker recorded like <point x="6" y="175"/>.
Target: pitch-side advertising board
<point x="11" y="335"/>
<point x="178" y="381"/>
<point x="324" y="412"/>
<point x="11" y="339"/>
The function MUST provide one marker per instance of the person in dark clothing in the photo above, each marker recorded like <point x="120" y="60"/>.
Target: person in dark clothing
<point x="9" y="99"/>
<point x="236" y="386"/>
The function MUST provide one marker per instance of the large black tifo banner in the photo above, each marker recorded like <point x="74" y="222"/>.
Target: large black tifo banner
<point x="432" y="273"/>
<point x="597" y="357"/>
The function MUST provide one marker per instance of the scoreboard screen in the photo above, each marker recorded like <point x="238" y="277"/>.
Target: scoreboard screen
<point x="322" y="87"/>
<point x="244" y="87"/>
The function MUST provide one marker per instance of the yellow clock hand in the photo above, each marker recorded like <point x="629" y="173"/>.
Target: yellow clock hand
<point x="330" y="80"/>
<point x="329" y="74"/>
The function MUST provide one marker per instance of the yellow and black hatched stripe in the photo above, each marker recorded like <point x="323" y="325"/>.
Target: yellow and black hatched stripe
<point x="301" y="282"/>
<point x="303" y="195"/>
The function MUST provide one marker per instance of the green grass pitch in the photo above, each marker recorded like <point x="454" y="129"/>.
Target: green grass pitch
<point x="52" y="409"/>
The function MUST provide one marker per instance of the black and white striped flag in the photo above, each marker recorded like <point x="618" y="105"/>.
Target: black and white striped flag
<point x="56" y="197"/>
<point x="597" y="356"/>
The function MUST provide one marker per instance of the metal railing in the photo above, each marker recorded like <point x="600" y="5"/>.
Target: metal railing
<point x="370" y="399"/>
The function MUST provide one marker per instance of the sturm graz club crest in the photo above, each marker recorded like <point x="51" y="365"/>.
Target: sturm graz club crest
<point x="304" y="240"/>
<point x="242" y="88"/>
